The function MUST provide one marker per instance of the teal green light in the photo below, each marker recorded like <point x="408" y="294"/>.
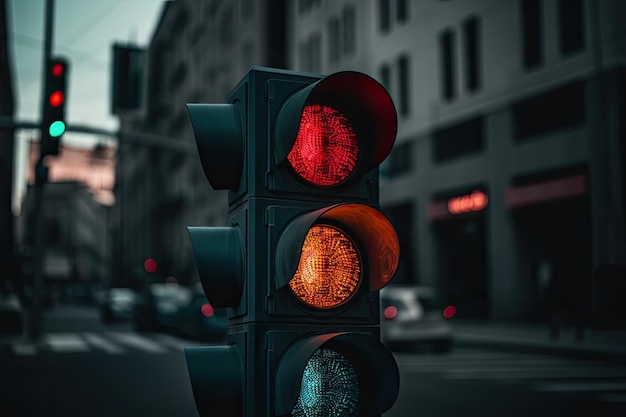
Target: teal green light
<point x="57" y="129"/>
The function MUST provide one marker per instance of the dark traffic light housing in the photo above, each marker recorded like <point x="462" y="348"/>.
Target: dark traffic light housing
<point x="306" y="251"/>
<point x="54" y="102"/>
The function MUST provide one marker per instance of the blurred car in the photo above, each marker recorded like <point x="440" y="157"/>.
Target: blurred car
<point x="11" y="322"/>
<point x="411" y="317"/>
<point x="116" y="304"/>
<point x="159" y="307"/>
<point x="200" y="320"/>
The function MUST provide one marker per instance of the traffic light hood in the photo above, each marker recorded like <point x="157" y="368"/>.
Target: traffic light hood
<point x="377" y="371"/>
<point x="218" y="129"/>
<point x="358" y="97"/>
<point x="219" y="258"/>
<point x="374" y="233"/>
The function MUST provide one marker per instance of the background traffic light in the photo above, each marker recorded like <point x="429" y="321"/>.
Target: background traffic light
<point x="306" y="251"/>
<point x="55" y="97"/>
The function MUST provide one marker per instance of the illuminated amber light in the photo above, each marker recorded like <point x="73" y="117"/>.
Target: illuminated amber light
<point x="326" y="150"/>
<point x="329" y="271"/>
<point x="475" y="201"/>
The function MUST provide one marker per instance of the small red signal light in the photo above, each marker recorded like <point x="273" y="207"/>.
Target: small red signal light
<point x="449" y="312"/>
<point x="391" y="312"/>
<point x="207" y="310"/>
<point x="326" y="149"/>
<point x="150" y="266"/>
<point x="58" y="69"/>
<point x="56" y="98"/>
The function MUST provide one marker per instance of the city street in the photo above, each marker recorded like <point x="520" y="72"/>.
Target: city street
<point x="84" y="368"/>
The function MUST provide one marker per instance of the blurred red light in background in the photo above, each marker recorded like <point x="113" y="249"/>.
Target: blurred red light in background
<point x="150" y="266"/>
<point x="390" y="312"/>
<point x="57" y="70"/>
<point x="56" y="98"/>
<point x="449" y="312"/>
<point x="207" y="310"/>
<point x="475" y="201"/>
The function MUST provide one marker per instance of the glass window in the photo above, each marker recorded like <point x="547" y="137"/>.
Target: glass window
<point x="571" y="26"/>
<point x="471" y="29"/>
<point x="532" y="36"/>
<point x="447" y="49"/>
<point x="349" y="30"/>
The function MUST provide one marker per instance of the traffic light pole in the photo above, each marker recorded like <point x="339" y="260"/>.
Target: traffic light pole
<point x="41" y="177"/>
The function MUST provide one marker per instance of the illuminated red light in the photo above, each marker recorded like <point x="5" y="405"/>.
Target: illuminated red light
<point x="57" y="70"/>
<point x="150" y="266"/>
<point x="326" y="150"/>
<point x="207" y="310"/>
<point x="475" y="201"/>
<point x="390" y="312"/>
<point x="449" y="312"/>
<point x="56" y="98"/>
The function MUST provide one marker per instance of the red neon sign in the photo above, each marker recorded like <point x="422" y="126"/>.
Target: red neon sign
<point x="475" y="201"/>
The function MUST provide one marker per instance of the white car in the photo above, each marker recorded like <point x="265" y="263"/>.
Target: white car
<point x="411" y="317"/>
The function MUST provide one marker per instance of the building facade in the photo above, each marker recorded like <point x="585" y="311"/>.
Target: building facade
<point x="507" y="179"/>
<point x="76" y="211"/>
<point x="8" y="254"/>
<point x="198" y="53"/>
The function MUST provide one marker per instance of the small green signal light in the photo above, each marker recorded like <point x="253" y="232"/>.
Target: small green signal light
<point x="57" y="129"/>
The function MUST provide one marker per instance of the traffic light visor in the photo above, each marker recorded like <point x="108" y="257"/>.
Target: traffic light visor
<point x="336" y="127"/>
<point x="367" y="229"/>
<point x="218" y="129"/>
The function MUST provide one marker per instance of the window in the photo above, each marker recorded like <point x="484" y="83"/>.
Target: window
<point x="557" y="109"/>
<point x="405" y="90"/>
<point x="385" y="76"/>
<point x="402" y="11"/>
<point x="384" y="14"/>
<point x="311" y="53"/>
<point x="447" y="48"/>
<point x="458" y="140"/>
<point x="532" y="33"/>
<point x="400" y="160"/>
<point x="333" y="40"/>
<point x="471" y="31"/>
<point x="349" y="30"/>
<point x="571" y="26"/>
<point x="316" y="53"/>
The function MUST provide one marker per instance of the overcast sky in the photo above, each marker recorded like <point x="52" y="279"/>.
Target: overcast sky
<point x="84" y="32"/>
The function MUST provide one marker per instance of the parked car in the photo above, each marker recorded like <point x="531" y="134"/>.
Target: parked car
<point x="200" y="320"/>
<point x="116" y="304"/>
<point x="159" y="307"/>
<point x="11" y="322"/>
<point x="412" y="317"/>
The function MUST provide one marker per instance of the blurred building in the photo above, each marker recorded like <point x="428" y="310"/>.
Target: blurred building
<point x="8" y="263"/>
<point x="198" y="53"/>
<point x="75" y="215"/>
<point x="507" y="181"/>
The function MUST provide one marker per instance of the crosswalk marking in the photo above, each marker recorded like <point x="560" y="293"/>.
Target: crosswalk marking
<point x="66" y="342"/>
<point x="112" y="342"/>
<point x="138" y="342"/>
<point x="101" y="343"/>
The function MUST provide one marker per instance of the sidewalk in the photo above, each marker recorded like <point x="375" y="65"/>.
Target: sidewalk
<point x="535" y="338"/>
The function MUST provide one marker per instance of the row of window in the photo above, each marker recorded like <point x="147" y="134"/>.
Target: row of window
<point x="571" y="25"/>
<point x="341" y="41"/>
<point x="557" y="109"/>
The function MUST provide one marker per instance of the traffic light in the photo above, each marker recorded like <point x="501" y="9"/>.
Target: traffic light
<point x="306" y="249"/>
<point x="55" y="96"/>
